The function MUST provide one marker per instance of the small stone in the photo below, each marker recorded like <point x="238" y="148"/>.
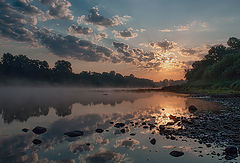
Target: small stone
<point x="123" y="130"/>
<point x="153" y="141"/>
<point x="37" y="141"/>
<point x="172" y="138"/>
<point x="25" y="130"/>
<point x="74" y="133"/>
<point x="39" y="130"/>
<point x="208" y="145"/>
<point x="192" y="109"/>
<point x="119" y="125"/>
<point x="231" y="152"/>
<point x="176" y="153"/>
<point x="99" y="130"/>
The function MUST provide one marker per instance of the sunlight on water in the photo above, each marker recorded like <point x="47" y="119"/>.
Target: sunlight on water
<point x="61" y="110"/>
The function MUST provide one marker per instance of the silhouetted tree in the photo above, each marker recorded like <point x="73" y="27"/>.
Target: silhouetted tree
<point x="20" y="66"/>
<point x="220" y="64"/>
<point x="216" y="53"/>
<point x="234" y="43"/>
<point x="62" y="70"/>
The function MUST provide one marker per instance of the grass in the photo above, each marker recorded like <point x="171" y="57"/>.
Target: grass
<point x="207" y="88"/>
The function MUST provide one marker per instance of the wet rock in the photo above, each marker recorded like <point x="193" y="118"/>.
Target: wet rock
<point x="144" y="123"/>
<point x="173" y="138"/>
<point x="119" y="125"/>
<point x="123" y="130"/>
<point x="208" y="145"/>
<point x="174" y="118"/>
<point x="161" y="127"/>
<point x="132" y="134"/>
<point x="37" y="141"/>
<point x="74" y="133"/>
<point x="99" y="130"/>
<point x="192" y="109"/>
<point x="153" y="141"/>
<point x="25" y="130"/>
<point x="151" y="126"/>
<point x="176" y="153"/>
<point x="231" y="152"/>
<point x="39" y="130"/>
<point x="170" y="123"/>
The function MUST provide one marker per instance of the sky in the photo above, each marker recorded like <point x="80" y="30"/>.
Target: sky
<point x="154" y="39"/>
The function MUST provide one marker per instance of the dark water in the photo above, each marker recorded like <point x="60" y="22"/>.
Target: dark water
<point x="66" y="109"/>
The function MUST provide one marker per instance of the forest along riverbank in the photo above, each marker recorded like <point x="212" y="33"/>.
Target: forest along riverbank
<point x="220" y="129"/>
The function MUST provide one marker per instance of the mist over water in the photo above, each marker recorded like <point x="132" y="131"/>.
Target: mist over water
<point x="64" y="109"/>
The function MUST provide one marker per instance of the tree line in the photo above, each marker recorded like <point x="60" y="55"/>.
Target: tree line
<point x="220" y="66"/>
<point x="21" y="67"/>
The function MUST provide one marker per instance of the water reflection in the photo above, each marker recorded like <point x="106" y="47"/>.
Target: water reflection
<point x="22" y="103"/>
<point x="87" y="110"/>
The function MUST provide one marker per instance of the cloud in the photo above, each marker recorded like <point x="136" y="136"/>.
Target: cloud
<point x="58" y="9"/>
<point x="182" y="28"/>
<point x="80" y="19"/>
<point x="165" y="30"/>
<point x="27" y="8"/>
<point x="138" y="57"/>
<point x="194" y="25"/>
<point x="79" y="30"/>
<point x="97" y="19"/>
<point x="71" y="46"/>
<point x="125" y="34"/>
<point x="164" y="46"/>
<point x="13" y="24"/>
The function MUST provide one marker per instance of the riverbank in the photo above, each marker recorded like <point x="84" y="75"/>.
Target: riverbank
<point x="223" y="92"/>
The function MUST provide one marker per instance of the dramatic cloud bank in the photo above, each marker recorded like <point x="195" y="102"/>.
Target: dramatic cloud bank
<point x="83" y="40"/>
<point x="97" y="19"/>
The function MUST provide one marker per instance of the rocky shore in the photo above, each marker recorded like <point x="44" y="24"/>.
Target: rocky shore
<point x="216" y="129"/>
<point x="220" y="129"/>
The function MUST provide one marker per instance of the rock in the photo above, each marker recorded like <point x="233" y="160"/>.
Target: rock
<point x="170" y="123"/>
<point x="208" y="145"/>
<point x="174" y="118"/>
<point x="144" y="123"/>
<point x="192" y="109"/>
<point x="176" y="153"/>
<point x="74" y="133"/>
<point x="39" y="130"/>
<point x="132" y="134"/>
<point x="151" y="126"/>
<point x="173" y="138"/>
<point x="161" y="127"/>
<point x="153" y="141"/>
<point x="99" y="130"/>
<point x="37" y="141"/>
<point x="119" y="125"/>
<point x="123" y="130"/>
<point x="231" y="152"/>
<point x="111" y="122"/>
<point x="25" y="130"/>
<point x="145" y="126"/>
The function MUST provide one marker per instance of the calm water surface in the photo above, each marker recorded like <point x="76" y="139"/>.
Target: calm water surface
<point x="66" y="109"/>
